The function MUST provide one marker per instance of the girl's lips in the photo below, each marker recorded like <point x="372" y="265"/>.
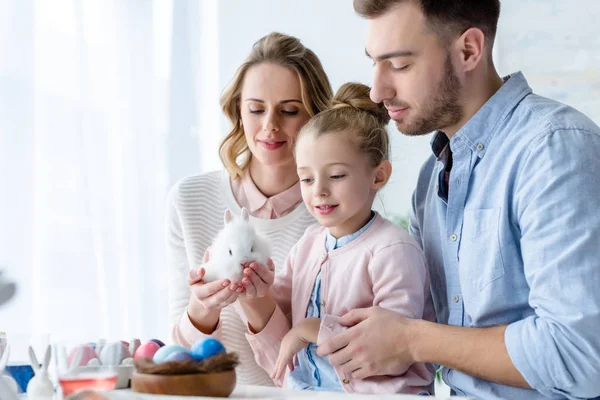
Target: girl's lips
<point x="325" y="209"/>
<point x="269" y="145"/>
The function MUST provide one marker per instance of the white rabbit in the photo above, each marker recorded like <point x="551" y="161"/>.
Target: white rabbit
<point x="236" y="244"/>
<point x="7" y="383"/>
<point x="40" y="387"/>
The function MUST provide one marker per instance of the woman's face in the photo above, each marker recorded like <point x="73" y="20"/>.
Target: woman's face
<point x="272" y="113"/>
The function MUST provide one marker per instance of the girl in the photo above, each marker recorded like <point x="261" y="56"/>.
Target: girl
<point x="354" y="259"/>
<point x="273" y="94"/>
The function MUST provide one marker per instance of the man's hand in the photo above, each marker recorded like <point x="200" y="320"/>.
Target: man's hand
<point x="377" y="343"/>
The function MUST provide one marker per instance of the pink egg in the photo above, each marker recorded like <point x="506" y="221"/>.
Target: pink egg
<point x="146" y="350"/>
<point x="88" y="353"/>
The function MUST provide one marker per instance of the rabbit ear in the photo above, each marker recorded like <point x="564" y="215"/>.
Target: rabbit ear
<point x="245" y="215"/>
<point x="228" y="217"/>
<point x="4" y="358"/>
<point x="34" y="361"/>
<point x="47" y="357"/>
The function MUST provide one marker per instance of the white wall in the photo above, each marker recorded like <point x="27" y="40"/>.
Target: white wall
<point x="559" y="52"/>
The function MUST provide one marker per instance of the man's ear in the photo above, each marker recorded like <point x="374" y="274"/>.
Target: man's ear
<point x="472" y="47"/>
<point x="382" y="174"/>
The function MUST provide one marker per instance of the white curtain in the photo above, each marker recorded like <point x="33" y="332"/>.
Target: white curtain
<point x="98" y="119"/>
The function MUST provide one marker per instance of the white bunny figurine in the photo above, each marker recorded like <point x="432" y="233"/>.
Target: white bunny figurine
<point x="235" y="245"/>
<point x="40" y="387"/>
<point x="8" y="383"/>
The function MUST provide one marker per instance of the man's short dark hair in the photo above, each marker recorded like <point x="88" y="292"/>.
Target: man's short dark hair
<point x="447" y="18"/>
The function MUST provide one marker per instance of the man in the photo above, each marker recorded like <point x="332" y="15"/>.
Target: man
<point x="506" y="210"/>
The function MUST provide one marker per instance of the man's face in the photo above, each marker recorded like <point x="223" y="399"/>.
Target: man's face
<point x="414" y="75"/>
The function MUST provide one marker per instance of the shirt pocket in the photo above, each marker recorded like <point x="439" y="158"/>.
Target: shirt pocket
<point x="480" y="255"/>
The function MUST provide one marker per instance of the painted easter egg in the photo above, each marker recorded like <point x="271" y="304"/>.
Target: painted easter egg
<point x="179" y="356"/>
<point x="158" y="342"/>
<point x="206" y="348"/>
<point x="87" y="353"/>
<point x="113" y="353"/>
<point x="147" y="350"/>
<point x="133" y="346"/>
<point x="165" y="351"/>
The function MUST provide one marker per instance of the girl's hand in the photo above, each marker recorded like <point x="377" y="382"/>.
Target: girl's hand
<point x="258" y="279"/>
<point x="295" y="340"/>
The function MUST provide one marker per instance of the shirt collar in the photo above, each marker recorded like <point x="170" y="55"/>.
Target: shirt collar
<point x="481" y="127"/>
<point x="279" y="203"/>
<point x="331" y="243"/>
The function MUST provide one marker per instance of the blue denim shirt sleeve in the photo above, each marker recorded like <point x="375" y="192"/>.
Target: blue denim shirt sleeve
<point x="557" y="201"/>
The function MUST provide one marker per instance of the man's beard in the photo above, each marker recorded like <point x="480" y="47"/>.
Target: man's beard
<point x="441" y="111"/>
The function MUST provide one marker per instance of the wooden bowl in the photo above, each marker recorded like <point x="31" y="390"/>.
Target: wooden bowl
<point x="212" y="384"/>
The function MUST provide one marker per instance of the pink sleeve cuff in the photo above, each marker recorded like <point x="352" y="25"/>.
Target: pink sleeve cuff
<point x="185" y="333"/>
<point x="330" y="326"/>
<point x="266" y="343"/>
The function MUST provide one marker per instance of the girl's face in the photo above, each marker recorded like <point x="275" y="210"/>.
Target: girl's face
<point x="337" y="181"/>
<point x="272" y="113"/>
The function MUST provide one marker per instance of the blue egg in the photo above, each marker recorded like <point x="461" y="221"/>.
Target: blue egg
<point x="162" y="353"/>
<point x="158" y="342"/>
<point x="203" y="349"/>
<point x="179" y="356"/>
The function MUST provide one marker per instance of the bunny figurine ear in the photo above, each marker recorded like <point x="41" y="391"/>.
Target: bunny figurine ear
<point x="34" y="361"/>
<point x="245" y="216"/>
<point x="47" y="357"/>
<point x="4" y="358"/>
<point x="228" y="217"/>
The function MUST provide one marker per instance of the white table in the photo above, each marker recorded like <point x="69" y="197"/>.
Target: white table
<point x="263" y="392"/>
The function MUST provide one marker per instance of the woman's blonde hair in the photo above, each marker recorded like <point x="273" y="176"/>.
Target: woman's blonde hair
<point x="352" y="112"/>
<point x="286" y="51"/>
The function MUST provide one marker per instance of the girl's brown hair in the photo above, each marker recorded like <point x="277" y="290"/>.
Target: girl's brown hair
<point x="352" y="111"/>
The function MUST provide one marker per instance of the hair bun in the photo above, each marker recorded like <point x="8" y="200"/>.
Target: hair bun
<point x="357" y="96"/>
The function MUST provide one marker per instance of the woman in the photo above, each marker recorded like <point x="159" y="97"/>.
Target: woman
<point x="279" y="87"/>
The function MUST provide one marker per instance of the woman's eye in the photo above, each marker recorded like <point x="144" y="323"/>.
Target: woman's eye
<point x="257" y="111"/>
<point x="289" y="112"/>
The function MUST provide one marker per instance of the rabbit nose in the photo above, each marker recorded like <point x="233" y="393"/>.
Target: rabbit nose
<point x="244" y="262"/>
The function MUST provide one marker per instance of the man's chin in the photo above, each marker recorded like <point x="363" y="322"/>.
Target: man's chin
<point x="407" y="130"/>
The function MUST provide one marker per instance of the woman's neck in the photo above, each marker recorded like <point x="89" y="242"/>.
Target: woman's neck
<point x="272" y="180"/>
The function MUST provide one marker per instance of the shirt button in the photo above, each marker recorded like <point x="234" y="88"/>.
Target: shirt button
<point x="479" y="147"/>
<point x="324" y="257"/>
<point x="456" y="298"/>
<point x="453" y="237"/>
<point x="345" y="381"/>
<point x="322" y="303"/>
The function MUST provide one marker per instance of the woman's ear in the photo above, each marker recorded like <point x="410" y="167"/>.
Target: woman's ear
<point x="382" y="174"/>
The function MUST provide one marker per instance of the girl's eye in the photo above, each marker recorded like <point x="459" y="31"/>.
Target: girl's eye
<point x="305" y="180"/>
<point x="230" y="253"/>
<point x="338" y="176"/>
